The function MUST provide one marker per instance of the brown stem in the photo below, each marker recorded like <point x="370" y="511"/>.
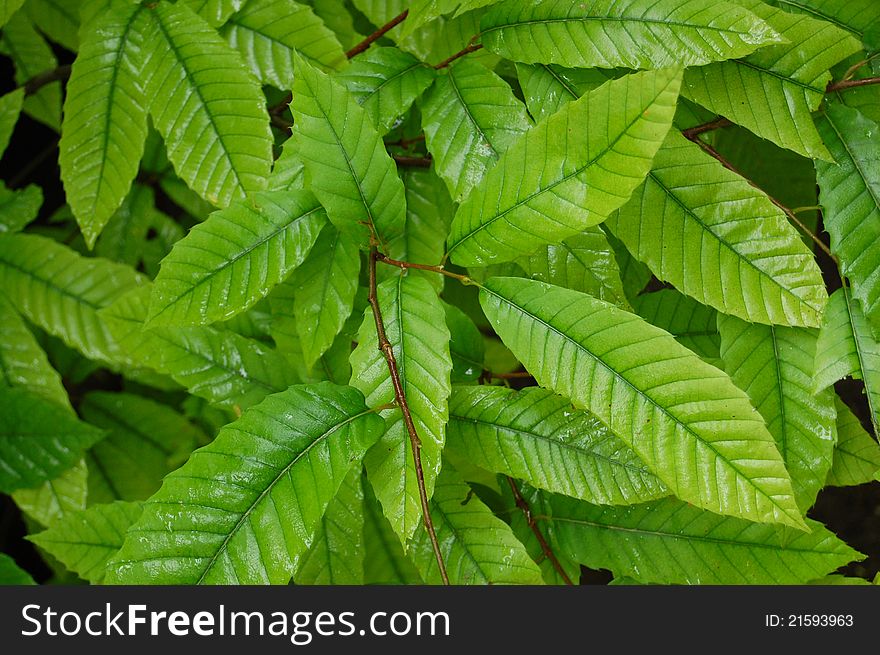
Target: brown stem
<point x="378" y="34"/>
<point x="843" y="85"/>
<point x="385" y="259"/>
<point x="37" y="82"/>
<point x="709" y="150"/>
<point x="697" y="130"/>
<point x="420" y="162"/>
<point x="400" y="397"/>
<point x="471" y="47"/>
<point x="523" y="505"/>
<point x="281" y="105"/>
<point x="405" y="143"/>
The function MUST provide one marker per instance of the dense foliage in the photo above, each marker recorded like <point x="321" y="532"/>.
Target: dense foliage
<point x="466" y="291"/>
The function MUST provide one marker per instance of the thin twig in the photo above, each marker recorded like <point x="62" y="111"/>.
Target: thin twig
<point x="279" y="107"/>
<point x="400" y="397"/>
<point x="523" y="505"/>
<point x="697" y="130"/>
<point x="405" y="143"/>
<point x="419" y="162"/>
<point x="471" y="47"/>
<point x="37" y="82"/>
<point x="464" y="279"/>
<point x="843" y="85"/>
<point x="378" y="34"/>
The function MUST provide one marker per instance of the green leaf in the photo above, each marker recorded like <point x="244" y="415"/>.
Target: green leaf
<point x="386" y="82"/>
<point x="693" y="325"/>
<point x="470" y="117"/>
<point x="32" y="55"/>
<point x="225" y="368"/>
<point x="850" y="198"/>
<point x="547" y="88"/>
<point x="856" y="455"/>
<point x="538" y="437"/>
<point x="687" y="421"/>
<point x="145" y="441"/>
<point x="38" y="439"/>
<point x="61" y="292"/>
<point x="345" y="160"/>
<point x="783" y="83"/>
<point x="466" y="345"/>
<point x="670" y="542"/>
<point x="384" y="559"/>
<point x="57" y="19"/>
<point x="57" y="498"/>
<point x="233" y="259"/>
<point x="86" y="541"/>
<point x="634" y="34"/>
<point x="584" y="262"/>
<point x="215" y="12"/>
<point x="10" y="108"/>
<point x="11" y="574"/>
<point x="337" y="553"/>
<point x="415" y="325"/>
<point x="337" y="17"/>
<point x="8" y="8"/>
<point x="23" y="363"/>
<point x="207" y="106"/>
<point x="243" y="509"/>
<point x="19" y="207"/>
<point x="694" y="224"/>
<point x="569" y="172"/>
<point x="422" y="12"/>
<point x="268" y="34"/>
<point x="856" y="16"/>
<point x="477" y="547"/>
<point x="105" y="116"/>
<point x="774" y="366"/>
<point x="324" y="288"/>
<point x="847" y="347"/>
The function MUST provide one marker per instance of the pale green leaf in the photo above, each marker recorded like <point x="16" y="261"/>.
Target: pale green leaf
<point x="86" y="541"/>
<point x="268" y="34"/>
<point x="105" y="117"/>
<point x="846" y="346"/>
<point x="337" y="553"/>
<point x="687" y="421"/>
<point x="345" y="160"/>
<point x="19" y="207"/>
<point x="384" y="559"/>
<point x="547" y="87"/>
<point x="324" y="288"/>
<point x="233" y="259"/>
<point x="783" y="83"/>
<point x="57" y="19"/>
<point x="470" y="117"/>
<point x="10" y="108"/>
<point x="856" y="455"/>
<point x="415" y="325"/>
<point x="145" y="441"/>
<point x="207" y="106"/>
<point x="536" y="436"/>
<point x="61" y="292"/>
<point x="38" y="439"/>
<point x="288" y="173"/>
<point x="57" y="498"/>
<point x="215" y="12"/>
<point x="720" y="240"/>
<point x="774" y="366"/>
<point x="633" y="34"/>
<point x="244" y="509"/>
<point x="569" y="172"/>
<point x="670" y="542"/>
<point x="849" y="192"/>
<point x="477" y="547"/>
<point x="422" y="12"/>
<point x="12" y="574"/>
<point x="385" y="82"/>
<point x="693" y="325"/>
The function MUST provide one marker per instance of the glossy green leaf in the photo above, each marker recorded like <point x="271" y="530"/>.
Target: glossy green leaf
<point x="19" y="207"/>
<point x="145" y="441"/>
<point x="859" y="17"/>
<point x="634" y="34"/>
<point x="470" y="117"/>
<point x="846" y="346"/>
<point x="386" y="82"/>
<point x="61" y="292"/>
<point x="86" y="541"/>
<point x="105" y="116"/>
<point x="384" y="559"/>
<point x="215" y="12"/>
<point x="536" y="436"/>
<point x="345" y="160"/>
<point x="547" y="87"/>
<point x="38" y="439"/>
<point x="12" y="574"/>
<point x="693" y="325"/>
<point x="687" y="421"/>
<point x="415" y="325"/>
<point x="57" y="498"/>
<point x="774" y="366"/>
<point x="466" y="345"/>
<point x="850" y="198"/>
<point x="337" y="553"/>
<point x="856" y="455"/>
<point x="569" y="172"/>
<point x="10" y="108"/>
<point x="720" y="240"/>
<point x="233" y="259"/>
<point x="783" y="83"/>
<point x="268" y="33"/>
<point x="670" y="542"/>
<point x="477" y="546"/>
<point x="339" y="19"/>
<point x="244" y="508"/>
<point x="207" y="106"/>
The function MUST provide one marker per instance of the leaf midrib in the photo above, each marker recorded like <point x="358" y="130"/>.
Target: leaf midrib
<point x="616" y="19"/>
